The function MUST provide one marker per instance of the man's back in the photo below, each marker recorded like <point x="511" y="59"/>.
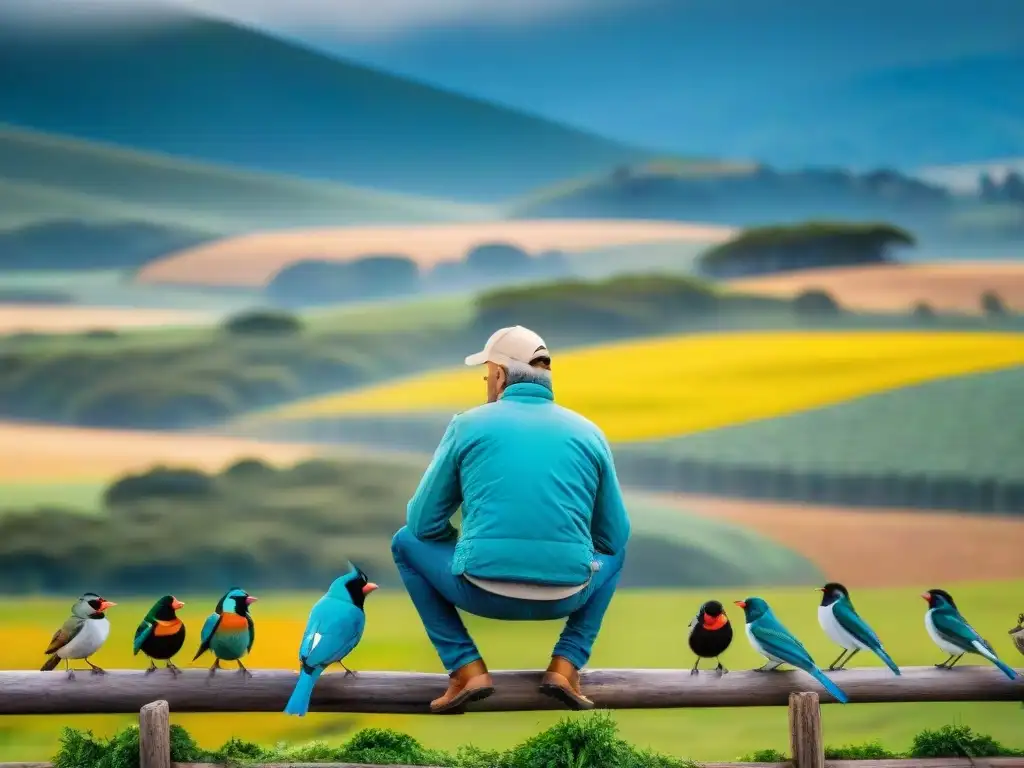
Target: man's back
<point x="538" y="491"/>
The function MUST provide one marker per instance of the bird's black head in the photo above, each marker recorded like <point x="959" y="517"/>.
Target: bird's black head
<point x="832" y="592"/>
<point x="358" y="586"/>
<point x="712" y="615"/>
<point x="712" y="608"/>
<point x="938" y="597"/>
<point x="165" y="608"/>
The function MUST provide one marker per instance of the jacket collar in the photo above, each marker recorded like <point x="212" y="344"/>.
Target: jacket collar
<point x="527" y="391"/>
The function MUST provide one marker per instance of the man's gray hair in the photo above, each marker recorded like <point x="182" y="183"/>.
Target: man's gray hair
<point x="521" y="373"/>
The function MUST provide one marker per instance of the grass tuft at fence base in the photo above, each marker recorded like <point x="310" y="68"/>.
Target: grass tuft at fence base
<point x="587" y="742"/>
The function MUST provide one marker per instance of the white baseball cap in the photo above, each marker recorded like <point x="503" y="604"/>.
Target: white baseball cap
<point x="511" y="345"/>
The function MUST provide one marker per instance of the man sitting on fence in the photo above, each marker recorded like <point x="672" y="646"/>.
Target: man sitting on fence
<point x="544" y="528"/>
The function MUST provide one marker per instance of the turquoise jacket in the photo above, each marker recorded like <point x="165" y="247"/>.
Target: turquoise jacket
<point x="537" y="487"/>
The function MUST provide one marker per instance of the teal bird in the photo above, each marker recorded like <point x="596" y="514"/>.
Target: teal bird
<point x="334" y="628"/>
<point x="772" y="640"/>
<point x="950" y="631"/>
<point x="229" y="631"/>
<point x="847" y="629"/>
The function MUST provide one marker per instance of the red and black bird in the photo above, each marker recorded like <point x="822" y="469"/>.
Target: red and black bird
<point x="710" y="634"/>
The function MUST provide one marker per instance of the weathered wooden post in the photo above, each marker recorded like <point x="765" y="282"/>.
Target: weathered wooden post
<point x="805" y="741"/>
<point x="155" y="735"/>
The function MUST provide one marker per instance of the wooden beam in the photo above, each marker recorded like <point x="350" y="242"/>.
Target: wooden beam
<point x="123" y="691"/>
<point x="155" y="735"/>
<point x="807" y="750"/>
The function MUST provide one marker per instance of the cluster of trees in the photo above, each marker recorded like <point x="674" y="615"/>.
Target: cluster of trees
<point x="962" y="493"/>
<point x="1009" y="190"/>
<point x="68" y="244"/>
<point x="257" y="359"/>
<point x="256" y="525"/>
<point x="389" y="275"/>
<point x="764" y="250"/>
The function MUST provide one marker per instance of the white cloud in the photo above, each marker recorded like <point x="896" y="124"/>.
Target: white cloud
<point x="344" y="19"/>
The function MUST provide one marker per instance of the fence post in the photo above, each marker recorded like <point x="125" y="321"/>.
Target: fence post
<point x="155" y="735"/>
<point x="805" y="742"/>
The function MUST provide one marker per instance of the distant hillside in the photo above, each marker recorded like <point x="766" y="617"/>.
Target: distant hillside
<point x="205" y="89"/>
<point x="750" y="195"/>
<point x="46" y="177"/>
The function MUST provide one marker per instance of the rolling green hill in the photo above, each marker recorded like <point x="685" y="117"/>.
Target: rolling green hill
<point x="208" y="89"/>
<point x="44" y="177"/>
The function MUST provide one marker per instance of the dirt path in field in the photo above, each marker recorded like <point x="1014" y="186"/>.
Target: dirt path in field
<point x="880" y="547"/>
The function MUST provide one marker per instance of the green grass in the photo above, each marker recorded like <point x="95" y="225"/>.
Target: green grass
<point x="960" y="425"/>
<point x="82" y="496"/>
<point x="50" y="176"/>
<point x="642" y="629"/>
<point x="588" y="742"/>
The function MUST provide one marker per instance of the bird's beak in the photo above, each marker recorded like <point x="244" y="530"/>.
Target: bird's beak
<point x="104" y="604"/>
<point x="819" y="589"/>
<point x="740" y="603"/>
<point x="250" y="600"/>
<point x="927" y="596"/>
<point x="176" y="604"/>
<point x="369" y="587"/>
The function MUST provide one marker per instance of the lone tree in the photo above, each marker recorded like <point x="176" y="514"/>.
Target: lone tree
<point x="992" y="305"/>
<point x="763" y="250"/>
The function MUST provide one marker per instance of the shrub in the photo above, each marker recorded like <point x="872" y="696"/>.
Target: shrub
<point x="166" y="482"/>
<point x="263" y="322"/>
<point x="816" y="302"/>
<point x="992" y="304"/>
<point x="923" y="311"/>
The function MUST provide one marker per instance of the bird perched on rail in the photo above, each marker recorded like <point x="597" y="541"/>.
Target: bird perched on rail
<point x="772" y="640"/>
<point x="950" y="631"/>
<point x="1017" y="633"/>
<point x="229" y="632"/>
<point x="161" y="634"/>
<point x="84" y="633"/>
<point x="334" y="629"/>
<point x="710" y="635"/>
<point x="847" y="629"/>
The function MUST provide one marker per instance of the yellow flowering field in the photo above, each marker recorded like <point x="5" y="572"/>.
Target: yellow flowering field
<point x="663" y="387"/>
<point x="644" y="628"/>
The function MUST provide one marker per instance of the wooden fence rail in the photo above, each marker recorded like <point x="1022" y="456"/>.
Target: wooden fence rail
<point x="408" y="693"/>
<point x="123" y="691"/>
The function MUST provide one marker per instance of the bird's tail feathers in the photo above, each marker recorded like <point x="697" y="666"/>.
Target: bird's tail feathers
<point x="1006" y="669"/>
<point x="50" y="664"/>
<point x="298" y="703"/>
<point x="880" y="652"/>
<point x="828" y="685"/>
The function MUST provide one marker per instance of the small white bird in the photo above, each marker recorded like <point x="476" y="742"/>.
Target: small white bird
<point x="82" y="635"/>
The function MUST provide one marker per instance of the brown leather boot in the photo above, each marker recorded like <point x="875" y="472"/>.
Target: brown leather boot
<point x="562" y="682"/>
<point x="470" y="682"/>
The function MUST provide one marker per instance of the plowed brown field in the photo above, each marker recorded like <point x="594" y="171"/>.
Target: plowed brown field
<point x="880" y="547"/>
<point x="898" y="287"/>
<point x="59" y="318"/>
<point x="252" y="260"/>
<point x="39" y="453"/>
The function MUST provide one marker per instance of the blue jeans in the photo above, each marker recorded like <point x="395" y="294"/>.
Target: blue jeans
<point x="426" y="570"/>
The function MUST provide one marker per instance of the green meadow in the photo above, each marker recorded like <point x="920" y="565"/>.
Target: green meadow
<point x="644" y="628"/>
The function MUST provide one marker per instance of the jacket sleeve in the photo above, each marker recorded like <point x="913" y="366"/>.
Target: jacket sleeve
<point x="439" y="495"/>
<point x="609" y="527"/>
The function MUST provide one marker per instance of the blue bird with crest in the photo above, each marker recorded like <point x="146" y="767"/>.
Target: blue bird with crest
<point x="334" y="629"/>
